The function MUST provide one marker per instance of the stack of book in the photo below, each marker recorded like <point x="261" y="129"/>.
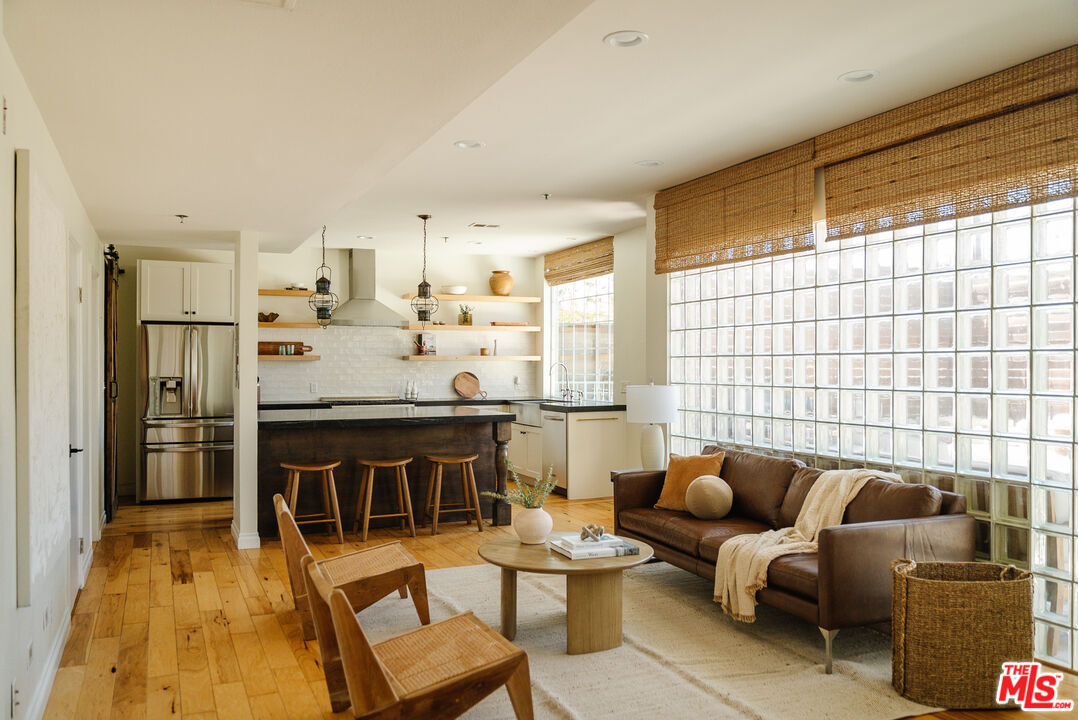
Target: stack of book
<point x="571" y="546"/>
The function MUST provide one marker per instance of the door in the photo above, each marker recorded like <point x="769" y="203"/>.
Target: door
<point x="211" y="293"/>
<point x="213" y="365"/>
<point x="163" y="290"/>
<point x="518" y="449"/>
<point x="76" y="456"/>
<point x="554" y="446"/>
<point x="112" y="289"/>
<point x="534" y="462"/>
<point x="163" y="382"/>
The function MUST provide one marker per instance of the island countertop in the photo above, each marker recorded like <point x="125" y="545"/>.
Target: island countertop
<point x="379" y="416"/>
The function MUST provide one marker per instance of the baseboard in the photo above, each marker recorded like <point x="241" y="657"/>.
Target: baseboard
<point x="85" y="563"/>
<point x="245" y="541"/>
<point x="36" y="709"/>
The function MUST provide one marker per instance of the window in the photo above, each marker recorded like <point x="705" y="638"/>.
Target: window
<point x="584" y="339"/>
<point x="944" y="352"/>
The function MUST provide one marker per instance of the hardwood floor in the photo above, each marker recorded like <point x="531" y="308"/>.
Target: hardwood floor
<point x="175" y="622"/>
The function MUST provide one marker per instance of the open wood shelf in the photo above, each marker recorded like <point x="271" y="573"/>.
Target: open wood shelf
<point x="473" y="328"/>
<point x="480" y="298"/>
<point x="288" y="325"/>
<point x="469" y="358"/>
<point x="285" y="293"/>
<point x="289" y="358"/>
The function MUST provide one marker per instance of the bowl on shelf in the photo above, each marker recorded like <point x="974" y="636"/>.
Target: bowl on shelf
<point x="454" y="289"/>
<point x="268" y="317"/>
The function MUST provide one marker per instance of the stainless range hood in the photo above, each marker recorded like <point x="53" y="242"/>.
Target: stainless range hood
<point x="361" y="308"/>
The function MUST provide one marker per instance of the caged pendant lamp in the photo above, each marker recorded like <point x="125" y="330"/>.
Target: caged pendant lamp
<point x="323" y="302"/>
<point x="424" y="305"/>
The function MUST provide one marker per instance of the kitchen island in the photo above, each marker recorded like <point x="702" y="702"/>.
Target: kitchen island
<point x="375" y="433"/>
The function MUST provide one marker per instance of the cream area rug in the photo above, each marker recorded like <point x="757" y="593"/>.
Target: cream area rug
<point x="680" y="657"/>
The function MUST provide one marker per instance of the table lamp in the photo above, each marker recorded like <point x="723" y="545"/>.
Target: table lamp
<point x="652" y="405"/>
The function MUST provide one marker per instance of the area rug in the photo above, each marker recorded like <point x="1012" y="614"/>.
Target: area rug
<point x="680" y="657"/>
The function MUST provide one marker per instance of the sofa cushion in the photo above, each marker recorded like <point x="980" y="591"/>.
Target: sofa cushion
<point x="680" y="474"/>
<point x="797" y="573"/>
<point x="680" y="530"/>
<point x="885" y="500"/>
<point x="723" y="530"/>
<point x="759" y="483"/>
<point x="795" y="496"/>
<point x="709" y="497"/>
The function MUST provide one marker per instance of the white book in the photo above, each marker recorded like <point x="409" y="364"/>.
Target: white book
<point x="573" y="540"/>
<point x="600" y="552"/>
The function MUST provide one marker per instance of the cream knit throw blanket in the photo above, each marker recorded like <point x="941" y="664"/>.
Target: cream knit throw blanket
<point x="741" y="568"/>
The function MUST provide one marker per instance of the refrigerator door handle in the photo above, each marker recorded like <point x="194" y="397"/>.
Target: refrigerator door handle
<point x="187" y="424"/>
<point x="196" y="373"/>
<point x="185" y="448"/>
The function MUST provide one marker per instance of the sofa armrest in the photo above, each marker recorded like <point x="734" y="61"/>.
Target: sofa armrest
<point x="635" y="489"/>
<point x="855" y="562"/>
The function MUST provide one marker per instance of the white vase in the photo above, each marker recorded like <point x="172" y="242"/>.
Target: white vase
<point x="533" y="525"/>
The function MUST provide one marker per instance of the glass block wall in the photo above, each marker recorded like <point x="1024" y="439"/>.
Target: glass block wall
<point x="944" y="352"/>
<point x="583" y="312"/>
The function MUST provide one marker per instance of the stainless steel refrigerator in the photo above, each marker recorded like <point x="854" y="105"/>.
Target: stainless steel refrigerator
<point x="185" y="384"/>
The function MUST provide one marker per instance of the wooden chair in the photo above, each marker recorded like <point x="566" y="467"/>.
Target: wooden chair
<point x="436" y="672"/>
<point x="331" y="514"/>
<point x="434" y="507"/>
<point x="366" y="491"/>
<point x="365" y="576"/>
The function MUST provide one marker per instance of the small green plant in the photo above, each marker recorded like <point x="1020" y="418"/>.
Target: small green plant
<point x="524" y="494"/>
<point x="465" y="309"/>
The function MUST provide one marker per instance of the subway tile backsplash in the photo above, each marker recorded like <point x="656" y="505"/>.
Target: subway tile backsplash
<point x="367" y="361"/>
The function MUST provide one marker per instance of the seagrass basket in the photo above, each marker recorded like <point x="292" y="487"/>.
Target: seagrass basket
<point x="953" y="625"/>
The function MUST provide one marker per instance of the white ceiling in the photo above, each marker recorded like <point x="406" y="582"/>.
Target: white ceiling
<point x="345" y="112"/>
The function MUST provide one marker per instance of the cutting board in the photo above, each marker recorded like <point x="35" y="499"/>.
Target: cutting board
<point x="466" y="385"/>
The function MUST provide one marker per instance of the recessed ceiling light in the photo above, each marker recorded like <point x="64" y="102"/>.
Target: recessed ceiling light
<point x="859" y="76"/>
<point x="649" y="163"/>
<point x="364" y="237"/>
<point x="475" y="242"/>
<point x="469" y="144"/>
<point x="626" y="39"/>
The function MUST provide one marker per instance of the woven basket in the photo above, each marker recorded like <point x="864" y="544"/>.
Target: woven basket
<point x="953" y="625"/>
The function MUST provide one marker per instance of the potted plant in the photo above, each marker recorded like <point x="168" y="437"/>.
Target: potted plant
<point x="465" y="317"/>
<point x="532" y="524"/>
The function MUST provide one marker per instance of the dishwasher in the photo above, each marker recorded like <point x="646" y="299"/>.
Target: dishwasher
<point x="554" y="442"/>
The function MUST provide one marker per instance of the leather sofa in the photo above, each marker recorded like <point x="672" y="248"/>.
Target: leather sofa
<point x="848" y="582"/>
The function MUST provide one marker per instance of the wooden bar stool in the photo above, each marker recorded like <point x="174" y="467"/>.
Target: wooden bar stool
<point x="330" y="514"/>
<point x="434" y="506"/>
<point x="366" y="490"/>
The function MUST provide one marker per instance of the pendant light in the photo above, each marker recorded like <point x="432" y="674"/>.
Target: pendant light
<point x="323" y="302"/>
<point x="424" y="305"/>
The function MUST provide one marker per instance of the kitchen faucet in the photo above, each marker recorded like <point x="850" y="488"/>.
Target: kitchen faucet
<point x="567" y="394"/>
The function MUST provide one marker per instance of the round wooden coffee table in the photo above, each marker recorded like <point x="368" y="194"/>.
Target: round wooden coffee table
<point x="592" y="589"/>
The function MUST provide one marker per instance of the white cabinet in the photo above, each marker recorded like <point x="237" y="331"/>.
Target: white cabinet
<point x="554" y="446"/>
<point x="526" y="450"/>
<point x="185" y="291"/>
<point x="584" y="447"/>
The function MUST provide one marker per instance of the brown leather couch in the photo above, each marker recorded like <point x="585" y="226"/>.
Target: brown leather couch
<point x="848" y="582"/>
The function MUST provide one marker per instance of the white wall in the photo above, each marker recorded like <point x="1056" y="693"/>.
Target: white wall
<point x="21" y="628"/>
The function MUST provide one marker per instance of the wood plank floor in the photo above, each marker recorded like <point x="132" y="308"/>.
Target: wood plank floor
<point x="175" y="622"/>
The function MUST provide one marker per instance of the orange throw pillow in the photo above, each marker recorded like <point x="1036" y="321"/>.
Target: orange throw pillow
<point x="683" y="470"/>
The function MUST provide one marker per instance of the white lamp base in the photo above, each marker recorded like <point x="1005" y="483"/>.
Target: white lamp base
<point x="653" y="447"/>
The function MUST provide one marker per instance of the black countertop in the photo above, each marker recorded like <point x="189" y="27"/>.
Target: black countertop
<point x="366" y="416"/>
<point x="549" y="404"/>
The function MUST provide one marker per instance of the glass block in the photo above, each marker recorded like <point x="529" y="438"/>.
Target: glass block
<point x="761" y="309"/>
<point x="1010" y="459"/>
<point x="827" y="302"/>
<point x="724" y="279"/>
<point x="978" y="495"/>
<point x="782" y="308"/>
<point x="827" y="370"/>
<point x="974" y="455"/>
<point x="743" y="370"/>
<point x="762" y="432"/>
<point x="1012" y="328"/>
<point x="908" y="257"/>
<point x="709" y="370"/>
<point x="709" y="313"/>
<point x="1053" y="509"/>
<point x="911" y="475"/>
<point x="974" y="330"/>
<point x="1012" y="372"/>
<point x="879" y="445"/>
<point x="782" y="273"/>
<point x="1011" y="545"/>
<point x="805" y="437"/>
<point x="939" y="252"/>
<point x="676" y="288"/>
<point x="939" y="451"/>
<point x="974" y="371"/>
<point x="1053" y="464"/>
<point x="692" y="287"/>
<point x="944" y="481"/>
<point x="975" y="247"/>
<point x="677" y="317"/>
<point x="804" y="270"/>
<point x="853" y="335"/>
<point x="853" y="371"/>
<point x="908" y="372"/>
<point x="879" y="262"/>
<point x="1011" y="242"/>
<point x="878" y="408"/>
<point x="743" y="340"/>
<point x="677" y="343"/>
<point x="1053" y="554"/>
<point x="804" y="370"/>
<point x="939" y="291"/>
<point x="827" y="405"/>
<point x="907" y="294"/>
<point x="827" y="439"/>
<point x="804" y="337"/>
<point x="743" y="400"/>
<point x="908" y="332"/>
<point x="1053" y="373"/>
<point x="878" y="334"/>
<point x="1053" y="417"/>
<point x="692" y="369"/>
<point x="783" y="370"/>
<point x="1052" y="599"/>
<point x="692" y="342"/>
<point x="1053" y="236"/>
<point x="784" y="434"/>
<point x="1053" y="206"/>
<point x="974" y="289"/>
<point x="853" y="264"/>
<point x="982" y="539"/>
<point x="677" y="370"/>
<point x="804" y="304"/>
<point x="939" y="409"/>
<point x="804" y="404"/>
<point x="853" y="441"/>
<point x="879" y="371"/>
<point x="886" y="237"/>
<point x="827" y="269"/>
<point x="725" y="340"/>
<point x="761" y="277"/>
<point x="939" y="371"/>
<point x="828" y="336"/>
<point x="708" y="397"/>
<point x="1053" y="281"/>
<point x="1053" y="327"/>
<point x="709" y="288"/>
<point x="1011" y="415"/>
<point x="879" y="298"/>
<point x="743" y="430"/>
<point x="909" y="448"/>
<point x="707" y="426"/>
<point x="724" y="399"/>
<point x="743" y="310"/>
<point x="853" y="406"/>
<point x="742" y="279"/>
<point x="853" y="300"/>
<point x="782" y="339"/>
<point x="939" y="331"/>
<point x="761" y="370"/>
<point x="1012" y="285"/>
<point x="974" y="414"/>
<point x="908" y="409"/>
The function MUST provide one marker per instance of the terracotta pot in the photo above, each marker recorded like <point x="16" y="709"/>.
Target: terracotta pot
<point x="501" y="282"/>
<point x="532" y="525"/>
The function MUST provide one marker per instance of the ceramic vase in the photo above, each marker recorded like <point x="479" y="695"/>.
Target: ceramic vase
<point x="533" y="525"/>
<point x="464" y="319"/>
<point x="501" y="282"/>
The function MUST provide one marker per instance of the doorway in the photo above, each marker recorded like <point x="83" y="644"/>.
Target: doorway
<point x="112" y="293"/>
<point x="76" y="321"/>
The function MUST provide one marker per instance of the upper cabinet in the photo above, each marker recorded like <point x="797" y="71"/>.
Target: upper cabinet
<point x="185" y="291"/>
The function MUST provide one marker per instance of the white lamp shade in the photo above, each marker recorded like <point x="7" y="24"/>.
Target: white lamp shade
<point x="651" y="403"/>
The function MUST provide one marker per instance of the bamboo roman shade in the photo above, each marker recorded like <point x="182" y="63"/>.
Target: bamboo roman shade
<point x="759" y="208"/>
<point x="580" y="262"/>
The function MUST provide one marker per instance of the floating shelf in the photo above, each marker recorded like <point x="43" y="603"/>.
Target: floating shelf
<point x="285" y="293"/>
<point x="469" y="358"/>
<point x="287" y="325"/>
<point x="289" y="358"/>
<point x="473" y="328"/>
<point x="481" y="298"/>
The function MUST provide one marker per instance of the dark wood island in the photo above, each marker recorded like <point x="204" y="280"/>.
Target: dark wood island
<point x="378" y="433"/>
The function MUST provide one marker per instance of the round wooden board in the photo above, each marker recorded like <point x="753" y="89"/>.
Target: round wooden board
<point x="466" y="385"/>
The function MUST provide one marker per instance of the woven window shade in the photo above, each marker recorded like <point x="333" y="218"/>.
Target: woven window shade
<point x="758" y="208"/>
<point x="579" y="262"/>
